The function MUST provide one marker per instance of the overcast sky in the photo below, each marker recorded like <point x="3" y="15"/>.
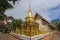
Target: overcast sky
<point x="49" y="9"/>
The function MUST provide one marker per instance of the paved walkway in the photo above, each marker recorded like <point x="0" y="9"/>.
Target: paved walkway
<point x="7" y="37"/>
<point x="56" y="36"/>
<point x="3" y="37"/>
<point x="46" y="37"/>
<point x="53" y="36"/>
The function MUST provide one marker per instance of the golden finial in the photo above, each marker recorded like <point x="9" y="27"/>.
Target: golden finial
<point x="29" y="11"/>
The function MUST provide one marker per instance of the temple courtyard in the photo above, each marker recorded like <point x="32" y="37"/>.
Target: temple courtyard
<point x="54" y="36"/>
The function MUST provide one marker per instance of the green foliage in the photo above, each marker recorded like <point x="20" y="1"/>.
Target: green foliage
<point x="4" y="5"/>
<point x="56" y="23"/>
<point x="58" y="26"/>
<point x="17" y="23"/>
<point x="2" y="16"/>
<point x="13" y="1"/>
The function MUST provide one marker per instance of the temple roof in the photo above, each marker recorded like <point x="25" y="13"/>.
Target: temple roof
<point x="37" y="16"/>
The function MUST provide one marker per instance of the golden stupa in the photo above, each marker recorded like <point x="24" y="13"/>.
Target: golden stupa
<point x="29" y="17"/>
<point x="33" y="25"/>
<point x="29" y="26"/>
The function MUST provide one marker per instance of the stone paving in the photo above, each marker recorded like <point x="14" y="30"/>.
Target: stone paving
<point x="3" y="37"/>
<point x="7" y="37"/>
<point x="54" y="36"/>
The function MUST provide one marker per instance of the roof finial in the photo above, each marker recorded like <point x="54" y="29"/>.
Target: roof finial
<point x="29" y="5"/>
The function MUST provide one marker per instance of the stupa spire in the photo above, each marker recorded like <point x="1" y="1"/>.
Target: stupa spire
<point x="29" y="11"/>
<point x="29" y="17"/>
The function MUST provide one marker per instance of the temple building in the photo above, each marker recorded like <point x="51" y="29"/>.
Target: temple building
<point x="36" y="25"/>
<point x="29" y="26"/>
<point x="29" y="17"/>
<point x="34" y="28"/>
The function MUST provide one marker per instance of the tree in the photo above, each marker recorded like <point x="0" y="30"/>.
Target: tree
<point x="58" y="26"/>
<point x="56" y="23"/>
<point x="4" y="5"/>
<point x="2" y="16"/>
<point x="16" y="23"/>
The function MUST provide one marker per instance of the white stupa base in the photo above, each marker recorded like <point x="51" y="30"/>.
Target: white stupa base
<point x="36" y="37"/>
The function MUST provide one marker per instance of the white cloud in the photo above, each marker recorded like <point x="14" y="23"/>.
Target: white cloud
<point x="41" y="6"/>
